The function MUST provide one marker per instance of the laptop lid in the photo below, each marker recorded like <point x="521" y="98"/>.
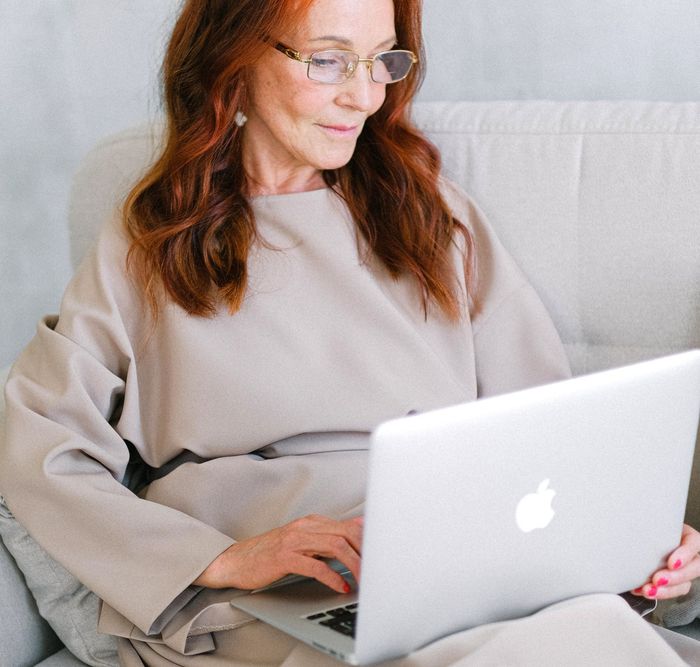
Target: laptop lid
<point x="494" y="509"/>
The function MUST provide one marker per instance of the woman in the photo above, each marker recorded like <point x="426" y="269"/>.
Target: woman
<point x="291" y="272"/>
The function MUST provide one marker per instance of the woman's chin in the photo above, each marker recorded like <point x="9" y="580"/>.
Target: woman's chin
<point x="336" y="160"/>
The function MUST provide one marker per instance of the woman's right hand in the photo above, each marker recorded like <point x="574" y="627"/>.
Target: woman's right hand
<point x="294" y="548"/>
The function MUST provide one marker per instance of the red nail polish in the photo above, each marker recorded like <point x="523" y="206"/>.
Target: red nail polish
<point x="662" y="582"/>
<point x="677" y="564"/>
<point x="638" y="590"/>
<point x="346" y="587"/>
<point x="652" y="592"/>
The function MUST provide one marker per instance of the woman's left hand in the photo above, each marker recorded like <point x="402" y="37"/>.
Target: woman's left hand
<point x="682" y="566"/>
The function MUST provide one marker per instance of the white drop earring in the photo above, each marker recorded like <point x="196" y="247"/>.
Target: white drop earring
<point x="240" y="118"/>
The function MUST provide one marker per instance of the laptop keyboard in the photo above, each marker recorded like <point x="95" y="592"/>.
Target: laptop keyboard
<point x="340" y="619"/>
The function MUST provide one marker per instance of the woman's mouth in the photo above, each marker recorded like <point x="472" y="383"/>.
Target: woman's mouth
<point x="341" y="131"/>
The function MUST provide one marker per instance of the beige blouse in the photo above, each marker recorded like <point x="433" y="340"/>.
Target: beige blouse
<point x="247" y="421"/>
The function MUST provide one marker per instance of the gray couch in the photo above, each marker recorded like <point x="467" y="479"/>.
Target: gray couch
<point x="599" y="203"/>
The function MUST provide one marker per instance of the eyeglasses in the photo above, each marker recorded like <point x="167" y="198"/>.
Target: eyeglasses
<point x="338" y="65"/>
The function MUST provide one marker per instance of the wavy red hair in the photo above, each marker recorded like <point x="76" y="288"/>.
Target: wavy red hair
<point x="190" y="221"/>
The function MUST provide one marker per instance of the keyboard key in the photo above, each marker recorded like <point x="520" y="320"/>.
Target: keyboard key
<point x="339" y="612"/>
<point x="340" y="619"/>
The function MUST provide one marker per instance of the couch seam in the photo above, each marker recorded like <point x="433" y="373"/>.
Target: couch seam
<point x="692" y="131"/>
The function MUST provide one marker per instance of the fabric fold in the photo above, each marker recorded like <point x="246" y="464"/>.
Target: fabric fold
<point x="188" y="630"/>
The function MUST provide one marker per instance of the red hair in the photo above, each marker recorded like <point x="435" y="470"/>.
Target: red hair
<point x="189" y="218"/>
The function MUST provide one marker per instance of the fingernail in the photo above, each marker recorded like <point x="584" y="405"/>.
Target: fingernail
<point x="638" y="590"/>
<point x="662" y="582"/>
<point x="652" y="592"/>
<point x="346" y="587"/>
<point x="677" y="564"/>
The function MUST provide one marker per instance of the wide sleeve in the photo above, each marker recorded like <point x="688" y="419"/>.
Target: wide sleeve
<point x="516" y="344"/>
<point x="63" y="456"/>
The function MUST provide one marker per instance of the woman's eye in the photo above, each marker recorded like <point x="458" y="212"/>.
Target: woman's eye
<point x="328" y="62"/>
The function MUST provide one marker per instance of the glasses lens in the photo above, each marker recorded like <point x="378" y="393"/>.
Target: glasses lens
<point x="332" y="66"/>
<point x="391" y="66"/>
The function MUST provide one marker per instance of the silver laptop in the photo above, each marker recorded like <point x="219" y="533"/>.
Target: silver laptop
<point x="494" y="509"/>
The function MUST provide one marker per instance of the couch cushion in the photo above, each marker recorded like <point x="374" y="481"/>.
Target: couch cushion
<point x="598" y="203"/>
<point x="25" y="638"/>
<point x="103" y="180"/>
<point x="63" y="658"/>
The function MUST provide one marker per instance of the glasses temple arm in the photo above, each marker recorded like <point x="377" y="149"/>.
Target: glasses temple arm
<point x="289" y="52"/>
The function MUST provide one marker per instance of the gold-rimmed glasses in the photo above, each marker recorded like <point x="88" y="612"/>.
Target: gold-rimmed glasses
<point x="339" y="65"/>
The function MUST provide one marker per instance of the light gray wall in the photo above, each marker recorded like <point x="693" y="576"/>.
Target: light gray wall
<point x="563" y="49"/>
<point x="74" y="71"/>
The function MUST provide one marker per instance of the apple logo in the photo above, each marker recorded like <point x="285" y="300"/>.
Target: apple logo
<point x="535" y="509"/>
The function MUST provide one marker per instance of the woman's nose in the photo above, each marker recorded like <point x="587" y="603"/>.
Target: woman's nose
<point x="359" y="90"/>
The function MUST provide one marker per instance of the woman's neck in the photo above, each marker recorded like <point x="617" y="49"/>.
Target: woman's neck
<point x="280" y="186"/>
<point x="267" y="176"/>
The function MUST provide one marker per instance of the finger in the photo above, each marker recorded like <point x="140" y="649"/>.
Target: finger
<point x="685" y="574"/>
<point x="639" y="591"/>
<point x="313" y="544"/>
<point x="688" y="549"/>
<point x="350" y="529"/>
<point x="666" y="592"/>
<point x="690" y="535"/>
<point x="354" y="529"/>
<point x="338" y="548"/>
<point x="317" y="569"/>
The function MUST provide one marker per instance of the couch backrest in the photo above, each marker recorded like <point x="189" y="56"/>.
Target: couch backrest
<point x="599" y="202"/>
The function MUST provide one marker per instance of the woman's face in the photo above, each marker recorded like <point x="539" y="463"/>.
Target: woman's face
<point x="297" y="127"/>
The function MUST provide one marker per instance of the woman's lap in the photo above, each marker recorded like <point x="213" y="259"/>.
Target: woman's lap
<point x="597" y="629"/>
